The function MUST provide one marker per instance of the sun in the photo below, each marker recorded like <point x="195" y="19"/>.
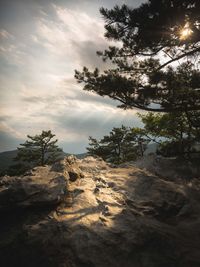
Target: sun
<point x="185" y="32"/>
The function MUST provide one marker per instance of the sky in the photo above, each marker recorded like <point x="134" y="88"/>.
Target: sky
<point x="42" y="42"/>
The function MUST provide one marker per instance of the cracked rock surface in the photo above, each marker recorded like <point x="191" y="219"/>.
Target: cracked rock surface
<point x="109" y="217"/>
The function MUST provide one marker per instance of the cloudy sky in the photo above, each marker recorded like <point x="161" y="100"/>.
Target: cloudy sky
<point x="42" y="42"/>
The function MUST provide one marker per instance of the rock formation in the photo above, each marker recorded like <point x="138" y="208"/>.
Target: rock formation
<point x="41" y="186"/>
<point x="106" y="217"/>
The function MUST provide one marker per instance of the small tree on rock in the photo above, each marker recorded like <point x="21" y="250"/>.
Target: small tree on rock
<point x="39" y="150"/>
<point x="121" y="145"/>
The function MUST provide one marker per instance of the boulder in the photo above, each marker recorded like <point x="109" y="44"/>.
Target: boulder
<point x="41" y="186"/>
<point x="71" y="166"/>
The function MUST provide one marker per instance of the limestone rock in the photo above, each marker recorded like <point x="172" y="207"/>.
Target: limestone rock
<point x="118" y="217"/>
<point x="41" y="186"/>
<point x="71" y="167"/>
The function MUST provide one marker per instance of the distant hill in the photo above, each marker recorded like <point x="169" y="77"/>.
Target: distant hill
<point x="79" y="156"/>
<point x="6" y="158"/>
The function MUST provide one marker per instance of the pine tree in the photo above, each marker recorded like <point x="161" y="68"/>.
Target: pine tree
<point x="167" y="30"/>
<point x="39" y="150"/>
<point x="177" y="136"/>
<point x="120" y="145"/>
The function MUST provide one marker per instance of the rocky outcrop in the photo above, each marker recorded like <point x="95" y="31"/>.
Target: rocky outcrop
<point x="117" y="217"/>
<point x="72" y="168"/>
<point x="41" y="186"/>
<point x="171" y="169"/>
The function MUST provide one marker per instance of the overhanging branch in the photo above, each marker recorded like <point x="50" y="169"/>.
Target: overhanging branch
<point x="179" y="57"/>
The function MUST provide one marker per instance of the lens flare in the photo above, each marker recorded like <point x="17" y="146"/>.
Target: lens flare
<point x="185" y="32"/>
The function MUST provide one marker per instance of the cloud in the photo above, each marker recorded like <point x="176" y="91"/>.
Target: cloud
<point x="80" y="25"/>
<point x="87" y="56"/>
<point x="40" y="49"/>
<point x="74" y="35"/>
<point x="5" y="128"/>
<point x="73" y="116"/>
<point x="13" y="53"/>
<point x="5" y="34"/>
<point x="8" y="142"/>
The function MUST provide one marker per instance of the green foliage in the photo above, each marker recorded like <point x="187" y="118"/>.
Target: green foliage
<point x="39" y="150"/>
<point x="178" y="136"/>
<point x="173" y="148"/>
<point x="139" y="79"/>
<point x="173" y="133"/>
<point x="17" y="169"/>
<point x="121" y="145"/>
<point x="154" y="26"/>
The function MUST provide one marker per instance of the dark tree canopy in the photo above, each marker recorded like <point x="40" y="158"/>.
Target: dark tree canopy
<point x="172" y="132"/>
<point x="171" y="26"/>
<point x="176" y="136"/>
<point x="120" y="145"/>
<point x="151" y="38"/>
<point x="39" y="150"/>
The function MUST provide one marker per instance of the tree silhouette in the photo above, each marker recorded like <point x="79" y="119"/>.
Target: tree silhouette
<point x="39" y="149"/>
<point x="177" y="137"/>
<point x="167" y="30"/>
<point x="120" y="145"/>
